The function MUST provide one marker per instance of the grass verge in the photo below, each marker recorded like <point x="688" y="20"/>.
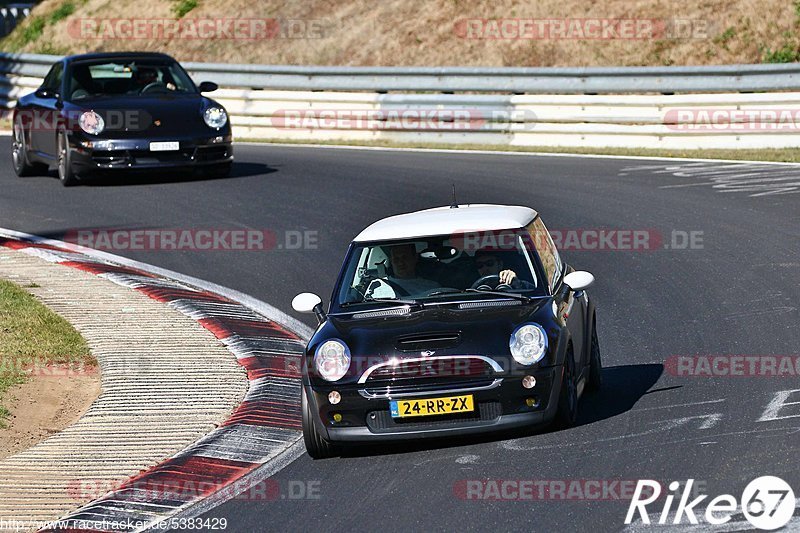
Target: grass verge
<point x="33" y="336"/>
<point x="786" y="155"/>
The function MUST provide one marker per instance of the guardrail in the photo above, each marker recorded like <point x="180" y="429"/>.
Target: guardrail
<point x="551" y="80"/>
<point x="439" y="106"/>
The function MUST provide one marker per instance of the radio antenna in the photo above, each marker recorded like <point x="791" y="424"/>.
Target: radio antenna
<point x="454" y="205"/>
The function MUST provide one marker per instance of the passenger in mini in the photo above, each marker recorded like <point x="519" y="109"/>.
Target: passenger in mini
<point x="404" y="259"/>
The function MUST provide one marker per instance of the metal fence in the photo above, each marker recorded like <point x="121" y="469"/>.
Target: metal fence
<point x="735" y="106"/>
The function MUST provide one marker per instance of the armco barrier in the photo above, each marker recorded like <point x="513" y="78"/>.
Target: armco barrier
<point x="355" y="103"/>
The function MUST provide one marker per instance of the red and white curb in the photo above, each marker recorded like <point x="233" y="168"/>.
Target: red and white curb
<point x="261" y="436"/>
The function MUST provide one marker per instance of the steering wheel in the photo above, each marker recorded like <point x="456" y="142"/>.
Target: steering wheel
<point x="487" y="282"/>
<point x="491" y="281"/>
<point x="153" y="86"/>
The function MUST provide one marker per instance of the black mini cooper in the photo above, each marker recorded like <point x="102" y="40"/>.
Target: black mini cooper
<point x="448" y="321"/>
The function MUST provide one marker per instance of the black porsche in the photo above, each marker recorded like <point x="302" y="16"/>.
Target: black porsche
<point x="111" y="112"/>
<point x="444" y="322"/>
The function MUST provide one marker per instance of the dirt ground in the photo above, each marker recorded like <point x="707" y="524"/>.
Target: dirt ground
<point x="422" y="32"/>
<point x="45" y="405"/>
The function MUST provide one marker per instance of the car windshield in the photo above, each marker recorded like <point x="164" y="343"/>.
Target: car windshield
<point x="127" y="78"/>
<point x="438" y="267"/>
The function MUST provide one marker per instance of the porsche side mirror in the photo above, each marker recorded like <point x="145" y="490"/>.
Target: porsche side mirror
<point x="308" y="302"/>
<point x="579" y="280"/>
<point x="41" y="92"/>
<point x="207" y="87"/>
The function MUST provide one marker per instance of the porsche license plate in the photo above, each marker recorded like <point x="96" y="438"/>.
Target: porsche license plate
<point x="164" y="146"/>
<point x="432" y="406"/>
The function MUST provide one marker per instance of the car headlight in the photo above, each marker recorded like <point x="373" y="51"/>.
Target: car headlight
<point x="91" y="122"/>
<point x="215" y="117"/>
<point x="528" y="344"/>
<point x="332" y="359"/>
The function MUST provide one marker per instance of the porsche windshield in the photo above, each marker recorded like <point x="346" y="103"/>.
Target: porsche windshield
<point x="127" y="78"/>
<point x="438" y="267"/>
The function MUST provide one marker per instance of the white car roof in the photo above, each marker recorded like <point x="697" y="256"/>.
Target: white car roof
<point x="446" y="220"/>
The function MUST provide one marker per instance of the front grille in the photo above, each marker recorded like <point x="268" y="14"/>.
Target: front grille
<point x="429" y="374"/>
<point x="421" y="386"/>
<point x="432" y="367"/>
<point x="188" y="155"/>
<point x="382" y="421"/>
<point x="140" y="157"/>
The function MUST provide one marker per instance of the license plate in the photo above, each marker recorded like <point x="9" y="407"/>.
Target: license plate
<point x="164" y="146"/>
<point x="432" y="406"/>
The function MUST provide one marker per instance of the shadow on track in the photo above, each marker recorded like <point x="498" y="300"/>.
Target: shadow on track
<point x="127" y="178"/>
<point x="239" y="170"/>
<point x="623" y="386"/>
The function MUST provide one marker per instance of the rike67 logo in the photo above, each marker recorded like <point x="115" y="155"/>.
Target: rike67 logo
<point x="768" y="503"/>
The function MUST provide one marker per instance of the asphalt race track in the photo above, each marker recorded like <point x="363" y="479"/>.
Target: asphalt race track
<point x="734" y="292"/>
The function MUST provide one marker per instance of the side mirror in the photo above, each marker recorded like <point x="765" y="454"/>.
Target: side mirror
<point x="579" y="280"/>
<point x="41" y="92"/>
<point x="308" y="302"/>
<point x="207" y="87"/>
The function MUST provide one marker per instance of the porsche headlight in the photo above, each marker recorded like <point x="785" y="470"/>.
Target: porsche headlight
<point x="332" y="359"/>
<point x="528" y="344"/>
<point x="91" y="122"/>
<point x="215" y="117"/>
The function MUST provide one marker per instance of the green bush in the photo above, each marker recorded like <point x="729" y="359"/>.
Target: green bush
<point x="788" y="53"/>
<point x="32" y="30"/>
<point x="182" y="7"/>
<point x="63" y="11"/>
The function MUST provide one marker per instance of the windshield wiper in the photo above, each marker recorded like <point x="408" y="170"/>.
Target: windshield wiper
<point x="398" y="301"/>
<point x="516" y="296"/>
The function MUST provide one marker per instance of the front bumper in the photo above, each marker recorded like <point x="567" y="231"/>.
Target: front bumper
<point x="90" y="155"/>
<point x="502" y="407"/>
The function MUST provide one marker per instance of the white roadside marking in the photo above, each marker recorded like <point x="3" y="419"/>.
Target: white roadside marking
<point x="777" y="404"/>
<point x="265" y="309"/>
<point x="758" y="179"/>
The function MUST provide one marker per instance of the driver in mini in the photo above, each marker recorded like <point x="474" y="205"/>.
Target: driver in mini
<point x="489" y="263"/>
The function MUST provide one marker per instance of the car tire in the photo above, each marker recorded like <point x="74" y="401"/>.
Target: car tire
<point x="66" y="174"/>
<point x="595" y="382"/>
<point x="20" y="156"/>
<point x="317" y="446"/>
<point x="567" y="411"/>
